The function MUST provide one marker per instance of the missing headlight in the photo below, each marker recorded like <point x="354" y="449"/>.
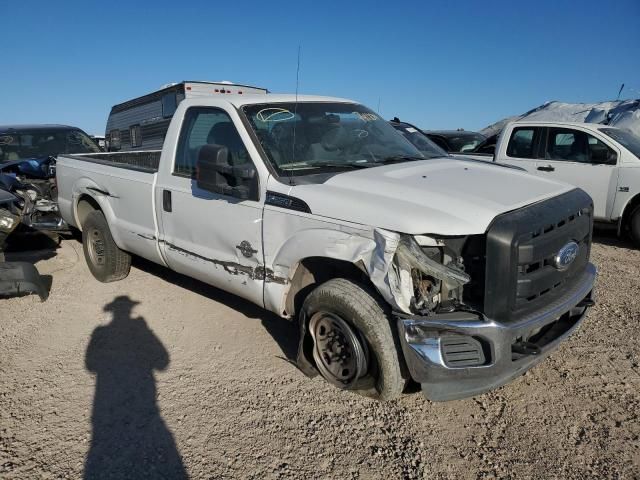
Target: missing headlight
<point x="434" y="283"/>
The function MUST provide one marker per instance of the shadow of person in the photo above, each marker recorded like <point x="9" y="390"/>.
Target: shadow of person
<point x="129" y="439"/>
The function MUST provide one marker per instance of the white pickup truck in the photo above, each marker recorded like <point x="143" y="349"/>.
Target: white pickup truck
<point x="458" y="275"/>
<point x="604" y="161"/>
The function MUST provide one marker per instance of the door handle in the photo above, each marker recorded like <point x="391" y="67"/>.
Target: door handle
<point x="546" y="168"/>
<point x="166" y="200"/>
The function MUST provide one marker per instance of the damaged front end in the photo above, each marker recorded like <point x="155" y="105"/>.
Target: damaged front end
<point x="429" y="275"/>
<point x="474" y="312"/>
<point x="423" y="275"/>
<point x="37" y="192"/>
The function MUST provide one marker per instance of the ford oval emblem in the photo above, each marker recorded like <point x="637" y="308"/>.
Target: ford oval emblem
<point x="566" y="255"/>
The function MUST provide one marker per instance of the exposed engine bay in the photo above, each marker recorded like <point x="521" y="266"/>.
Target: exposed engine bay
<point x="435" y="270"/>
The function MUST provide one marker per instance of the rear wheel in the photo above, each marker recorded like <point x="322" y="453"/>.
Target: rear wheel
<point x="106" y="261"/>
<point x="354" y="344"/>
<point x="634" y="226"/>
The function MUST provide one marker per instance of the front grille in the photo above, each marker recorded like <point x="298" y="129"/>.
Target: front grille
<point x="520" y="275"/>
<point x="474" y="260"/>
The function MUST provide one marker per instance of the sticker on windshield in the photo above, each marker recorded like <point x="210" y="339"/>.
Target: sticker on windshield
<point x="367" y="117"/>
<point x="274" y="115"/>
<point x="411" y="130"/>
<point x="6" y="140"/>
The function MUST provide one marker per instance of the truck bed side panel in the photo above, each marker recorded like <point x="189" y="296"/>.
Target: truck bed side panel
<point x="125" y="195"/>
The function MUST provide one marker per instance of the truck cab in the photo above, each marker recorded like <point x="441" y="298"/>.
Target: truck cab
<point x="604" y="161"/>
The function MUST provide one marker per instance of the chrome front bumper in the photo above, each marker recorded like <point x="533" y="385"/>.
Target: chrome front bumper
<point x="501" y="358"/>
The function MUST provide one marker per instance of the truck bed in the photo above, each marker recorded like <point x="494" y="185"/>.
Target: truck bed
<point x="123" y="186"/>
<point x="144" y="161"/>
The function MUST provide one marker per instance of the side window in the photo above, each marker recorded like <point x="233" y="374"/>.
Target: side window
<point x="207" y="126"/>
<point x="135" y="135"/>
<point x="114" y="140"/>
<point x="169" y="104"/>
<point x="566" y="144"/>
<point x="522" y="143"/>
<point x="577" y="146"/>
<point x="600" y="153"/>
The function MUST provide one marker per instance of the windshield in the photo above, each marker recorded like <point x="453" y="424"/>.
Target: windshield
<point x="37" y="143"/>
<point x="308" y="137"/>
<point x="464" y="142"/>
<point x="420" y="141"/>
<point x="625" y="138"/>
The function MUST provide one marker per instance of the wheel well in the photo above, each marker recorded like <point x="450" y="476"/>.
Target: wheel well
<point x="314" y="271"/>
<point x="86" y="205"/>
<point x="631" y="206"/>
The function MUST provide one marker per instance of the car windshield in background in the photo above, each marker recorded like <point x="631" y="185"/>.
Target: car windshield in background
<point x="309" y="137"/>
<point x="624" y="137"/>
<point x="38" y="143"/>
<point x="420" y="141"/>
<point x="465" y="142"/>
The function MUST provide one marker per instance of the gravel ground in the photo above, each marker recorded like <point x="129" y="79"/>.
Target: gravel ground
<point x="161" y="376"/>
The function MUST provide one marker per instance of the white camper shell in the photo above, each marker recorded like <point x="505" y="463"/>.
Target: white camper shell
<point x="142" y="123"/>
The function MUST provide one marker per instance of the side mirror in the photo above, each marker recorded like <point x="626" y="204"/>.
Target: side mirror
<point x="214" y="173"/>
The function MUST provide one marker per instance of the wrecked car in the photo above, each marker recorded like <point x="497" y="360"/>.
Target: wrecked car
<point x="456" y="141"/>
<point x="398" y="269"/>
<point x="419" y="140"/>
<point x="27" y="168"/>
<point x="16" y="278"/>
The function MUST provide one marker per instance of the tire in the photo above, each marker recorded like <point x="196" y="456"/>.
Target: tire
<point x="106" y="261"/>
<point x="634" y="226"/>
<point x="385" y="376"/>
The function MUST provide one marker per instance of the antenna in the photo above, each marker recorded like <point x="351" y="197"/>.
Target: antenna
<point x="620" y="91"/>
<point x="378" y="106"/>
<point x="295" y="111"/>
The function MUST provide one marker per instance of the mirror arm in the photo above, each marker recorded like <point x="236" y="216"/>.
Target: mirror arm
<point x="246" y="171"/>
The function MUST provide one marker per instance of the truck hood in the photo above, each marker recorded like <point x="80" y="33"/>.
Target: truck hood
<point x="440" y="196"/>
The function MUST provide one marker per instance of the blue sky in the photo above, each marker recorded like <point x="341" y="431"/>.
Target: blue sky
<point x="436" y="64"/>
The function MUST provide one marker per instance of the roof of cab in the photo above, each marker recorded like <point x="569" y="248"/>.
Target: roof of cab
<point x="588" y="125"/>
<point x="256" y="99"/>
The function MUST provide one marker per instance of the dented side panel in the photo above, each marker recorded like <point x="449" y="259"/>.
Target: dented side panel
<point x="213" y="239"/>
<point x="295" y="236"/>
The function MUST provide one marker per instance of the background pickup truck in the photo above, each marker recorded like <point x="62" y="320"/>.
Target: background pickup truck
<point x="603" y="161"/>
<point x="457" y="275"/>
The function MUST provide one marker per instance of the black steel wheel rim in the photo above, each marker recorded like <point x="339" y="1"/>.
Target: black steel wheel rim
<point x="96" y="246"/>
<point x="340" y="352"/>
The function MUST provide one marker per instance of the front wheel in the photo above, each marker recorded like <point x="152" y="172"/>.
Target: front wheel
<point x="354" y="344"/>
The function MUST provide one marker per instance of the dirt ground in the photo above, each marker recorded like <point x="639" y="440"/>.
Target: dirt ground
<point x="160" y="376"/>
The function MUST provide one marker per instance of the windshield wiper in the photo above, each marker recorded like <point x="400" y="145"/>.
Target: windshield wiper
<point x="329" y="165"/>
<point x="399" y="158"/>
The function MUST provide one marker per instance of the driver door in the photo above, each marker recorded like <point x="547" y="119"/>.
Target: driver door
<point x="213" y="237"/>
